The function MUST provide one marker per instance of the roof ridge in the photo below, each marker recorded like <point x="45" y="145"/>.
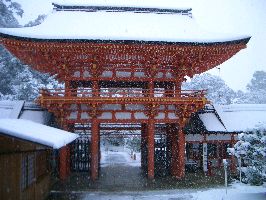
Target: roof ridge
<point x="135" y="9"/>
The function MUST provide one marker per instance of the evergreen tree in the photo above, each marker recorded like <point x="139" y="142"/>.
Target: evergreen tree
<point x="18" y="81"/>
<point x="257" y="87"/>
<point x="7" y="11"/>
<point x="217" y="91"/>
<point x="251" y="147"/>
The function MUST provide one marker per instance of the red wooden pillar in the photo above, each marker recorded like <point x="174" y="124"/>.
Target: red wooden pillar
<point x="174" y="152"/>
<point x="143" y="146"/>
<point x="151" y="129"/>
<point x="63" y="163"/>
<point x="64" y="159"/>
<point x="181" y="153"/>
<point x="94" y="148"/>
<point x="95" y="89"/>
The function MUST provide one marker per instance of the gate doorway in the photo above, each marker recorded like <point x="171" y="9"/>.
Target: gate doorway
<point x="122" y="148"/>
<point x="80" y="149"/>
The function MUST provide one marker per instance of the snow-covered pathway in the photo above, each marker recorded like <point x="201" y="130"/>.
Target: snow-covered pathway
<point x="119" y="170"/>
<point x="115" y="156"/>
<point x="235" y="192"/>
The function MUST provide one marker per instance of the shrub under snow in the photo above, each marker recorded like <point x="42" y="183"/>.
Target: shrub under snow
<point x="251" y="147"/>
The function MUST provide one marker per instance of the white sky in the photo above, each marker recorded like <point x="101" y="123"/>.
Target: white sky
<point x="240" y="17"/>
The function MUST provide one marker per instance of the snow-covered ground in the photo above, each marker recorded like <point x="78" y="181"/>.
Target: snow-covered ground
<point x="235" y="192"/>
<point x="122" y="156"/>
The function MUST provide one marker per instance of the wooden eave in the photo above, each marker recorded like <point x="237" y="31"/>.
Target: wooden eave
<point x="60" y="56"/>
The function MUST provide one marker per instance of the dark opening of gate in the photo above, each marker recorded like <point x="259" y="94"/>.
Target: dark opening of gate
<point x="130" y="139"/>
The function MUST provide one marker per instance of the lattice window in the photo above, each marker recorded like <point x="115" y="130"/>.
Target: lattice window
<point x="31" y="169"/>
<point x="27" y="171"/>
<point x="23" y="178"/>
<point x="212" y="150"/>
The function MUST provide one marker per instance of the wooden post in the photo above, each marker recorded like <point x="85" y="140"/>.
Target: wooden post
<point x="143" y="146"/>
<point x="95" y="89"/>
<point x="174" y="152"/>
<point x="64" y="159"/>
<point x="67" y="88"/>
<point x="151" y="129"/>
<point x="63" y="163"/>
<point x="181" y="152"/>
<point x="94" y="148"/>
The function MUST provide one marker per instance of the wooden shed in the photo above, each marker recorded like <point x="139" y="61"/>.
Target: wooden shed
<point x="25" y="150"/>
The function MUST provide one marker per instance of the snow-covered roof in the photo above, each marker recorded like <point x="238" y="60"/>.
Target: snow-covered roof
<point x="119" y="23"/>
<point x="211" y="122"/>
<point x="23" y="110"/>
<point x="35" y="132"/>
<point x="240" y="117"/>
<point x="233" y="118"/>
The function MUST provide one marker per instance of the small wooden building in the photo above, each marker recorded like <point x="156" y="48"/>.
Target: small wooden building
<point x="25" y="150"/>
<point x="215" y="128"/>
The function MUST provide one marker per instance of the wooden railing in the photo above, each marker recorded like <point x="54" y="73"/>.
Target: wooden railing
<point x="122" y="92"/>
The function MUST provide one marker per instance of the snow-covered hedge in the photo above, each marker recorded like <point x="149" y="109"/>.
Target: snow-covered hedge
<point x="251" y="148"/>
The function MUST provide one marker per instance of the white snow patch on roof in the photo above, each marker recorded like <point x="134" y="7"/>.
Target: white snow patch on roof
<point x="240" y="117"/>
<point x="23" y="110"/>
<point x="34" y="132"/>
<point x="40" y="117"/>
<point x="10" y="109"/>
<point x="211" y="122"/>
<point x="103" y="25"/>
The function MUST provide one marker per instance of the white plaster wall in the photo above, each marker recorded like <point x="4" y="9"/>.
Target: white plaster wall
<point x="135" y="107"/>
<point x="73" y="115"/>
<point x="123" y="74"/>
<point x="76" y="74"/>
<point x="195" y="137"/>
<point x="123" y="115"/>
<point x="160" y="115"/>
<point x="73" y="107"/>
<point x="107" y="74"/>
<point x="84" y="115"/>
<point x="140" y="115"/>
<point x="218" y="137"/>
<point x="172" y="116"/>
<point x="139" y="74"/>
<point x="111" y="107"/>
<point x="105" y="115"/>
<point x="86" y="74"/>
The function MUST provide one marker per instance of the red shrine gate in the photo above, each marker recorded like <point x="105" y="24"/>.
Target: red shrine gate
<point x="125" y="82"/>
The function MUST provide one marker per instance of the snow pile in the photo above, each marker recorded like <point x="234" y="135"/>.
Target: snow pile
<point x="34" y="132"/>
<point x="236" y="191"/>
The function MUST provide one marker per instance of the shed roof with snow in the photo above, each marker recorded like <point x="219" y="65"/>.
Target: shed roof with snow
<point x="35" y="132"/>
<point x="24" y="110"/>
<point x="233" y="118"/>
<point x="109" y="21"/>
